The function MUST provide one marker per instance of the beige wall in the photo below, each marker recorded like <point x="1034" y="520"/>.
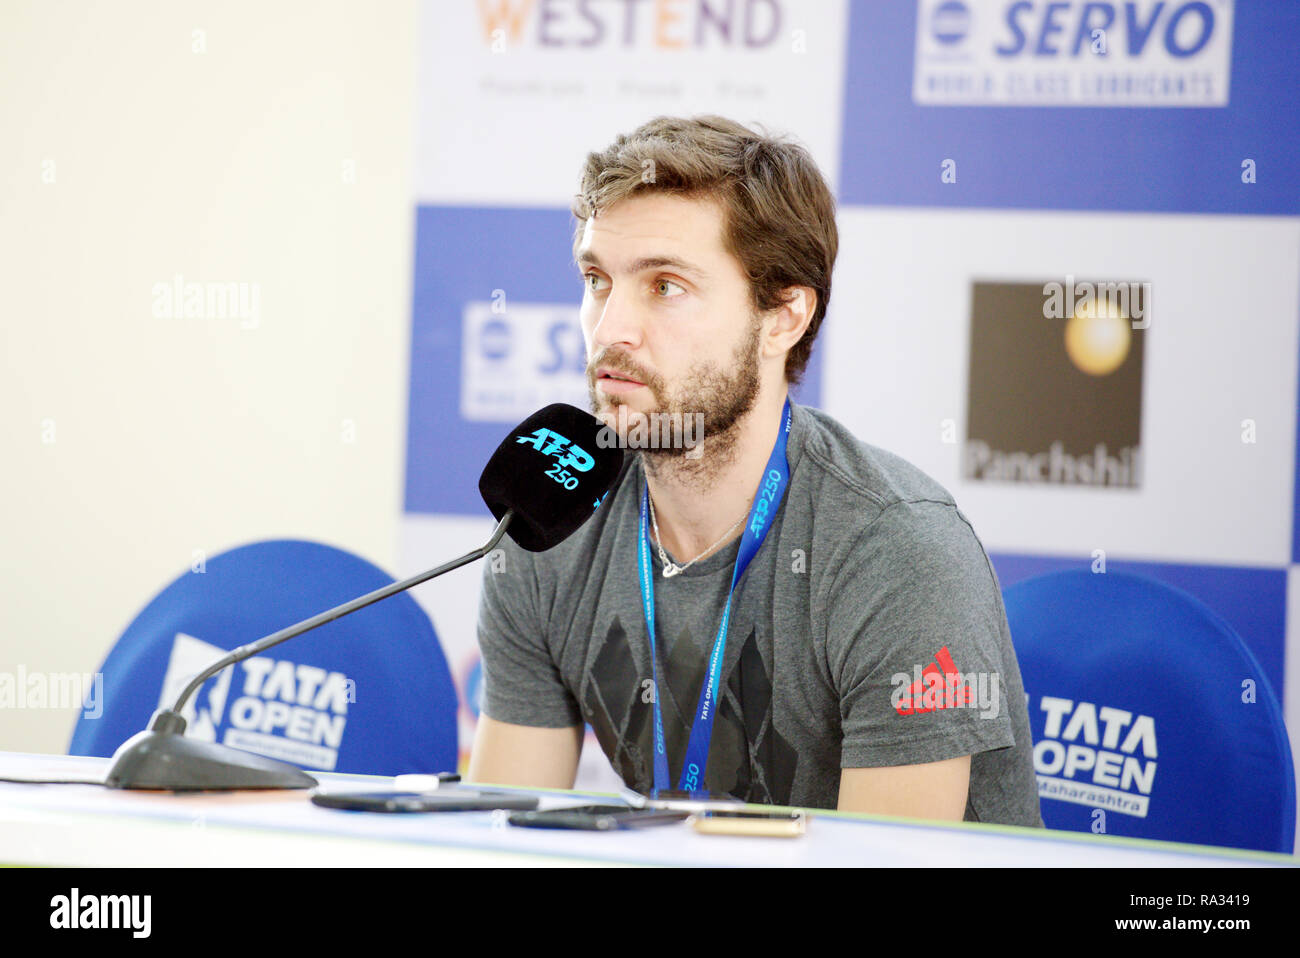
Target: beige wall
<point x="278" y="155"/>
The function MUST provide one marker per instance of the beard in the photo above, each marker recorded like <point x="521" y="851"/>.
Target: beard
<point x="715" y="399"/>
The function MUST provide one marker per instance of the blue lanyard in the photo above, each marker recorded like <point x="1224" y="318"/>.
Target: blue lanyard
<point x="766" y="502"/>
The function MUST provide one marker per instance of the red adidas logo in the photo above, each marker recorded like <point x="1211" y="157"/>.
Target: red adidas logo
<point x="940" y="685"/>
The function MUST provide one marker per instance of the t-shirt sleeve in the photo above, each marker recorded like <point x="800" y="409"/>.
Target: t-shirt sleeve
<point x="915" y="594"/>
<point x="521" y="683"/>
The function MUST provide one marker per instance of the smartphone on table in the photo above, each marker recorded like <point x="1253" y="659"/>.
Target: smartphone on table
<point x="456" y="800"/>
<point x="743" y="822"/>
<point x="599" y="818"/>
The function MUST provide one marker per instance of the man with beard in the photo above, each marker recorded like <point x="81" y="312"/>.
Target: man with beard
<point x="780" y="613"/>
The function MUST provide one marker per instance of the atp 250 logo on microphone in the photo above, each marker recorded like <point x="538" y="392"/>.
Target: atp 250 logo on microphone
<point x="1055" y="395"/>
<point x="1073" y="53"/>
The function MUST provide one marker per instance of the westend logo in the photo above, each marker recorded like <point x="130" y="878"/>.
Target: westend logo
<point x="293" y="712"/>
<point x="684" y="25"/>
<point x="75" y="910"/>
<point x="1097" y="756"/>
<point x="941" y="685"/>
<point x="1073" y="53"/>
<point x="22" y="689"/>
<point x="1056" y="383"/>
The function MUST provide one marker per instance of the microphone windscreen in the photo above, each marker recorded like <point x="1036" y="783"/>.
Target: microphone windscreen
<point x="553" y="470"/>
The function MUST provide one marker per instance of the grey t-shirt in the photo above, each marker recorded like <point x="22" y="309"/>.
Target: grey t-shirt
<point x="869" y="574"/>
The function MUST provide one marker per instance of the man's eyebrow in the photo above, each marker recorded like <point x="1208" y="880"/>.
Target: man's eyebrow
<point x="588" y="258"/>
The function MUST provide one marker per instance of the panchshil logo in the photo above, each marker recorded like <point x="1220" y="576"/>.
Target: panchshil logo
<point x="1055" y="384"/>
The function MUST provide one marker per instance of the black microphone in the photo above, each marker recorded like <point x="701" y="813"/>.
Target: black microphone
<point x="561" y="461"/>
<point x="543" y="482"/>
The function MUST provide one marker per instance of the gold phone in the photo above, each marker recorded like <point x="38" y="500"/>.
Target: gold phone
<point x="767" y="824"/>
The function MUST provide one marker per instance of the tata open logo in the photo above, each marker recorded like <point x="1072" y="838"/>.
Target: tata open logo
<point x="1073" y="53"/>
<point x="1055" y="383"/>
<point x="1096" y="755"/>
<point x="285" y="710"/>
<point x="517" y="359"/>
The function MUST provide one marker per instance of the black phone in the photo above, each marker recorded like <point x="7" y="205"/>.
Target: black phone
<point x="599" y="818"/>
<point x="448" y="801"/>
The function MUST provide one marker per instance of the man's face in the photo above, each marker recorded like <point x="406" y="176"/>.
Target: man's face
<point x="666" y="313"/>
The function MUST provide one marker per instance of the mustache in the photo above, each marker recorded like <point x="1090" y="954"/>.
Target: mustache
<point x="619" y="363"/>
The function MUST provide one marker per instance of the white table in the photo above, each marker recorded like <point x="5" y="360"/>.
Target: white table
<point x="88" y="825"/>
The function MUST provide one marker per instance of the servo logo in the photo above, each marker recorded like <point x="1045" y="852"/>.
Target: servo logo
<point x="516" y="359"/>
<point x="1055" y="383"/>
<point x="1095" y="755"/>
<point x="950" y="22"/>
<point x="1073" y="53"/>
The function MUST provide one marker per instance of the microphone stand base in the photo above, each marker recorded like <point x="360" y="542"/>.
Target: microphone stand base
<point x="169" y="761"/>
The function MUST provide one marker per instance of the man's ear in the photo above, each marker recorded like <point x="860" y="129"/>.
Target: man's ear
<point x="788" y="322"/>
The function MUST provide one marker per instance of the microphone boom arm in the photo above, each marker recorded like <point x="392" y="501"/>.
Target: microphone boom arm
<point x="261" y="645"/>
<point x="162" y="757"/>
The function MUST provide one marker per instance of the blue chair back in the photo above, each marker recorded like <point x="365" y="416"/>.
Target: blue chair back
<point x="1146" y="706"/>
<point x="369" y="693"/>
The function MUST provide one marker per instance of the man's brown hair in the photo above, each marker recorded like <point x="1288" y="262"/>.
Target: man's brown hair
<point x="778" y="214"/>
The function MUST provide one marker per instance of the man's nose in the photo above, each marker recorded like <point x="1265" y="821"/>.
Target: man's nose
<point x="618" y="325"/>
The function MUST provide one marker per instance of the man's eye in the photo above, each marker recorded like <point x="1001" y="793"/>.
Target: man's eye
<point x="593" y="281"/>
<point x="661" y="284"/>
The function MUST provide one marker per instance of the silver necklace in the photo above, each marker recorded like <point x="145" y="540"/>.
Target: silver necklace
<point x="671" y="568"/>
